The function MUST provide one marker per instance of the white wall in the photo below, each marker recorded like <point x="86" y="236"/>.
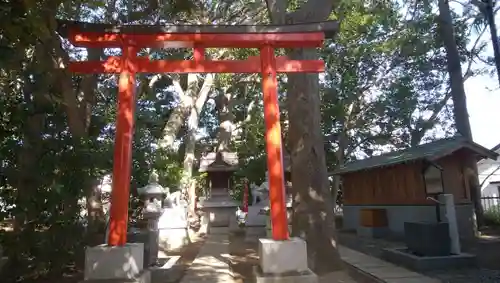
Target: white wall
<point x="489" y="172"/>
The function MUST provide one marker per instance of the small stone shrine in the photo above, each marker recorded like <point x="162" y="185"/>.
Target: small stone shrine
<point x="218" y="205"/>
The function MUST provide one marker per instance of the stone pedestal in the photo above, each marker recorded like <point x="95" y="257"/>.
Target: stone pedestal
<point x="121" y="264"/>
<point x="283" y="261"/>
<point x="220" y="211"/>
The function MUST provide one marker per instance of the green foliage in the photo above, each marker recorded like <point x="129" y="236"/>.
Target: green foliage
<point x="492" y="215"/>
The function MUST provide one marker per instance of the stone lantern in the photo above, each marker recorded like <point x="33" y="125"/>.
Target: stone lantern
<point x="153" y="194"/>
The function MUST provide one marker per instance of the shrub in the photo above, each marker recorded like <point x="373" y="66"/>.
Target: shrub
<point x="492" y="215"/>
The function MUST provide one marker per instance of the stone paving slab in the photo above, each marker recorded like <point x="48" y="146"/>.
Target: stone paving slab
<point x="211" y="263"/>
<point x="380" y="270"/>
<point x="336" y="277"/>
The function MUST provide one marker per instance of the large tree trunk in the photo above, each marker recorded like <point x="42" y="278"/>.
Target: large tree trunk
<point x="313" y="217"/>
<point x="313" y="204"/>
<point x="224" y="107"/>
<point x="188" y="98"/>
<point x="27" y="177"/>
<point x="189" y="155"/>
<point x="460" y="103"/>
<point x="489" y="13"/>
<point x="176" y="118"/>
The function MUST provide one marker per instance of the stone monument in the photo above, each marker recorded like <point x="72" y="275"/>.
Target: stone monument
<point x="173" y="222"/>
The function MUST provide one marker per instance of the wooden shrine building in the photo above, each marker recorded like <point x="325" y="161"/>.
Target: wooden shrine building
<point x="396" y="187"/>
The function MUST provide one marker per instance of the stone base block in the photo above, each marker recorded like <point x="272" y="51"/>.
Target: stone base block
<point x="221" y="216"/>
<point x="143" y="277"/>
<point x="403" y="257"/>
<point x="372" y="232"/>
<point x="280" y="257"/>
<point x="293" y="277"/>
<point x="173" y="238"/>
<point x="112" y="262"/>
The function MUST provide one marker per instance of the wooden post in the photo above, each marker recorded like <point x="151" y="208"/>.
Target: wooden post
<point x="279" y="219"/>
<point x="198" y="54"/>
<point x="122" y="162"/>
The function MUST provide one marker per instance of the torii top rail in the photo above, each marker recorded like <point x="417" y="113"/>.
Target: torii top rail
<point x="133" y="37"/>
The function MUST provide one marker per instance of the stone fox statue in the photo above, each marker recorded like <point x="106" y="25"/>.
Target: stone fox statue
<point x="257" y="193"/>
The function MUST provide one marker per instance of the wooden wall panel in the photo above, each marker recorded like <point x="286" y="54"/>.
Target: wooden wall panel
<point x="453" y="177"/>
<point x="397" y="184"/>
<point x="403" y="184"/>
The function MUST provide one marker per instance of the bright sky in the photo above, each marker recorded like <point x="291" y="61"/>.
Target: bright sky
<point x="483" y="102"/>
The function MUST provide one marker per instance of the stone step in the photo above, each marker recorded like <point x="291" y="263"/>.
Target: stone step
<point x="366" y="268"/>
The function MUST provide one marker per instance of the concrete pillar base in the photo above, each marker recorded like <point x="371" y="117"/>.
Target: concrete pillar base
<point x="283" y="261"/>
<point x="280" y="257"/>
<point x="293" y="277"/>
<point x="120" y="264"/>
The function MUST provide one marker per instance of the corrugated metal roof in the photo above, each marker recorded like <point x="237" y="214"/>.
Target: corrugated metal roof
<point x="431" y="151"/>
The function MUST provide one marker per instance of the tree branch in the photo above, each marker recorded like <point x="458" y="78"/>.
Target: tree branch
<point x="489" y="175"/>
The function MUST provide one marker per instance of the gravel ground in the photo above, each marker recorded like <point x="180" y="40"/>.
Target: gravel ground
<point x="488" y="253"/>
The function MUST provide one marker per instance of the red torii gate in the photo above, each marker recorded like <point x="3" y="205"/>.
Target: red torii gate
<point x="131" y="38"/>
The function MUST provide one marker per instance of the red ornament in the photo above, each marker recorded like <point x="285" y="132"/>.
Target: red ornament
<point x="245" y="196"/>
